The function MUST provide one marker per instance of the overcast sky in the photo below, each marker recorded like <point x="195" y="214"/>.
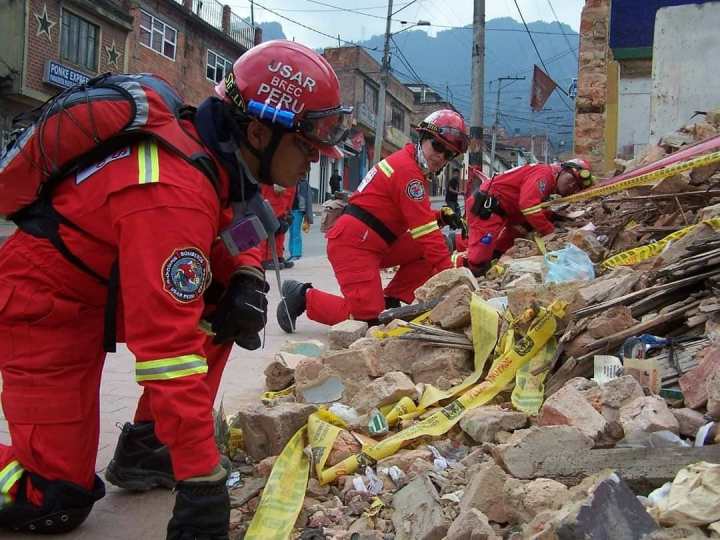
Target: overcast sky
<point x="368" y="18"/>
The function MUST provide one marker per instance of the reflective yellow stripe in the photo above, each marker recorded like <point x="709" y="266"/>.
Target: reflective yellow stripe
<point x="9" y="475"/>
<point x="148" y="165"/>
<point x="385" y="167"/>
<point x="422" y="230"/>
<point x="454" y="258"/>
<point x="170" y="368"/>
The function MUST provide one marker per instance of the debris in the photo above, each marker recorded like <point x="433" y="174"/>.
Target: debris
<point x="471" y="524"/>
<point x="693" y="498"/>
<point x="418" y="514"/>
<point x="484" y="492"/>
<point x="483" y="423"/>
<point x="569" y="407"/>
<point x="441" y="283"/>
<point x="385" y="390"/>
<point x="343" y="334"/>
<point x="689" y="421"/>
<point x="453" y="311"/>
<point x="648" y="414"/>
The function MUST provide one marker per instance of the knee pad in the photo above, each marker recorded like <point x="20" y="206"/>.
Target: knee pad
<point x="65" y="506"/>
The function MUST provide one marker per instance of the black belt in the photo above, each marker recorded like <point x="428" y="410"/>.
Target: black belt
<point x="371" y="221"/>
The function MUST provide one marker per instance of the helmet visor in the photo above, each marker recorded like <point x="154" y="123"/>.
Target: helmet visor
<point x="326" y="127"/>
<point x="454" y="138"/>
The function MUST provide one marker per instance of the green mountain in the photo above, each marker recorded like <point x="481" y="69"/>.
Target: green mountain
<point x="443" y="61"/>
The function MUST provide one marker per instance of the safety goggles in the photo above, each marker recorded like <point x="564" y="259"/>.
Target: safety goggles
<point x="583" y="176"/>
<point x="324" y="128"/>
<point x="440" y="148"/>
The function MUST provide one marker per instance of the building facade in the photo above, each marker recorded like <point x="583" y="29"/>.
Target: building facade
<point x="49" y="45"/>
<point x="359" y="75"/>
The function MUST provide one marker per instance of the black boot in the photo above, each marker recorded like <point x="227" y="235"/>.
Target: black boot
<point x="65" y="506"/>
<point x="391" y="303"/>
<point x="294" y="305"/>
<point x="141" y="462"/>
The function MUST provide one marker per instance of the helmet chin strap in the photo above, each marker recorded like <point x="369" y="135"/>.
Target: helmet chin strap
<point x="421" y="159"/>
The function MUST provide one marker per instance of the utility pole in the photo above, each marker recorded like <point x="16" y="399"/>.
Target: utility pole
<point x="380" y="116"/>
<point x="252" y="12"/>
<point x="475" y="156"/>
<point x="497" y="119"/>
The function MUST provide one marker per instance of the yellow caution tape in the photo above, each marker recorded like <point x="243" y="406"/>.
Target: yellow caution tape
<point x="642" y="253"/>
<point x="438" y="423"/>
<point x="400" y="410"/>
<point x="269" y="396"/>
<point x="529" y="391"/>
<point x="540" y="243"/>
<point x="284" y="493"/>
<point x="235" y="441"/>
<point x="375" y="506"/>
<point x="640" y="180"/>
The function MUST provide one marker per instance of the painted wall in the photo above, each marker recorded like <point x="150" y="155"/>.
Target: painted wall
<point x="634" y="114"/>
<point x="684" y="77"/>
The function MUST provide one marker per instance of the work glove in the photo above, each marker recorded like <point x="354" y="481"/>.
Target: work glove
<point x="202" y="508"/>
<point x="450" y="218"/>
<point x="306" y="227"/>
<point x="242" y="310"/>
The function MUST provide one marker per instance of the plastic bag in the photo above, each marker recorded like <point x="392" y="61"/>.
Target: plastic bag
<point x="568" y="264"/>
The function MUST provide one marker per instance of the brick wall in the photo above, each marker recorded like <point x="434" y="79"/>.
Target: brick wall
<point x="187" y="73"/>
<point x="591" y="101"/>
<point x="41" y="48"/>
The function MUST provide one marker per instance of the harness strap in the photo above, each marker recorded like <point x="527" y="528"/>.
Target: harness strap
<point x="371" y="221"/>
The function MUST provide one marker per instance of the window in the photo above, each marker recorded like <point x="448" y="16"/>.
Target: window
<point x="371" y="97"/>
<point x="217" y="66"/>
<point x="79" y="41"/>
<point x="157" y="35"/>
<point x="398" y="118"/>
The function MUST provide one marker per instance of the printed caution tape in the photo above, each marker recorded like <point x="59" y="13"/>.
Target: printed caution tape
<point x="269" y="396"/>
<point x="634" y="181"/>
<point x="529" y="391"/>
<point x="284" y="493"/>
<point x="438" y="423"/>
<point x="642" y="253"/>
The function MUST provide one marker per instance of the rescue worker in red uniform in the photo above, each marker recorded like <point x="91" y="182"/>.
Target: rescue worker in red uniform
<point x="158" y="216"/>
<point x="281" y="200"/>
<point x="388" y="222"/>
<point x="498" y="211"/>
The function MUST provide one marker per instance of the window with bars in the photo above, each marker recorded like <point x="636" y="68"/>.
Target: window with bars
<point x="160" y="37"/>
<point x="398" y="118"/>
<point x="79" y="41"/>
<point x="371" y="97"/>
<point x="217" y="66"/>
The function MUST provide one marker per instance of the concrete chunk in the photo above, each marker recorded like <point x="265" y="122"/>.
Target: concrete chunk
<point x="484" y="492"/>
<point x="471" y="525"/>
<point x="453" y="311"/>
<point x="648" y="414"/>
<point x="383" y="391"/>
<point x="343" y="334"/>
<point x="418" y="514"/>
<point x="442" y="282"/>
<point x="483" y="423"/>
<point x="266" y="430"/>
<point x="569" y="407"/>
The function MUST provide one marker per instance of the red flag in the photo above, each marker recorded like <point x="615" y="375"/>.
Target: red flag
<point x="542" y="87"/>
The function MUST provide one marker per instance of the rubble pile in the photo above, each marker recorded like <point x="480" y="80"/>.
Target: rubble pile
<point x="607" y="428"/>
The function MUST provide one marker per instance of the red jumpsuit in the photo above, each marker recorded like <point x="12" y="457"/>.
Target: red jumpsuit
<point x="159" y="217"/>
<point x="516" y="190"/>
<point x="395" y="192"/>
<point x="282" y="206"/>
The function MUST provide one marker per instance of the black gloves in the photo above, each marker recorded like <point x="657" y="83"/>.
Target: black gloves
<point x="284" y="224"/>
<point x="242" y="310"/>
<point x="202" y="509"/>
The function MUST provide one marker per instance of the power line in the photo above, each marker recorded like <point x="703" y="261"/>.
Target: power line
<point x="314" y="29"/>
<point x="561" y="27"/>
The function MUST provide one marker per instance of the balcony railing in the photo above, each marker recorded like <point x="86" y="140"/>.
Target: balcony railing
<point x="212" y="12"/>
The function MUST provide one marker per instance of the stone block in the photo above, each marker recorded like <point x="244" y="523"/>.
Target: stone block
<point x="569" y="407"/>
<point x="453" y="311"/>
<point x="483" y="423"/>
<point x="440" y="366"/>
<point x="647" y="414"/>
<point x="404" y="459"/>
<point x="442" y="282"/>
<point x="527" y="449"/>
<point x="694" y="383"/>
<point x="614" y="320"/>
<point x="689" y="421"/>
<point x="713" y="391"/>
<point x="266" y="429"/>
<point x="471" y="525"/>
<point x="612" y="511"/>
<point x="343" y="334"/>
<point x="528" y="499"/>
<point x="617" y="393"/>
<point x="306" y="347"/>
<point x="484" y="492"/>
<point x="417" y="512"/>
<point x="383" y="391"/>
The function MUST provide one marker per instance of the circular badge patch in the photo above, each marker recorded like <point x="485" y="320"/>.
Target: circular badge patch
<point x="186" y="274"/>
<point x="415" y="190"/>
